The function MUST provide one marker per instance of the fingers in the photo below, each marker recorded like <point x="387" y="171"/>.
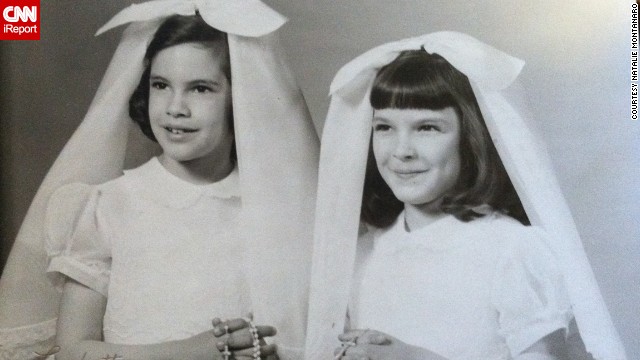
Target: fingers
<point x="365" y="337"/>
<point x="266" y="330"/>
<point x="374" y="338"/>
<point x="350" y="336"/>
<point x="265" y="351"/>
<point x="241" y="339"/>
<point x="223" y="327"/>
<point x="351" y="347"/>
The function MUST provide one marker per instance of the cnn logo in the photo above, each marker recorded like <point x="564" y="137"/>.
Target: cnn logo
<point x="20" y="20"/>
<point x="20" y="14"/>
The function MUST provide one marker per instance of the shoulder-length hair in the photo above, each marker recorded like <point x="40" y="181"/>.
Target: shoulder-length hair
<point x="419" y="80"/>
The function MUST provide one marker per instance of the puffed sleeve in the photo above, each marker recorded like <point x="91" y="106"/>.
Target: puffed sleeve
<point x="529" y="292"/>
<point x="77" y="243"/>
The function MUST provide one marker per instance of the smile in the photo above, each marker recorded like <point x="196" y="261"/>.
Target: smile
<point x="409" y="174"/>
<point x="178" y="131"/>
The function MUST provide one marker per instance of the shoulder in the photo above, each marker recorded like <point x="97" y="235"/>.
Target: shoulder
<point x="509" y="241"/>
<point x="76" y="197"/>
<point x="497" y="222"/>
<point x="134" y="178"/>
<point x="507" y="231"/>
<point x="518" y="246"/>
<point x="125" y="186"/>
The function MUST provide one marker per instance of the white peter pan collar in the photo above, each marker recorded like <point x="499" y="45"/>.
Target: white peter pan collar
<point x="445" y="233"/>
<point x="154" y="182"/>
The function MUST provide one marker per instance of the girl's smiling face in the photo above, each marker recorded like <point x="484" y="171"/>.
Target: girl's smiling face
<point x="190" y="104"/>
<point x="417" y="152"/>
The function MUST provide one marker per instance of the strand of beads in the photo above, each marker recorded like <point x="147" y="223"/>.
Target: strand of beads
<point x="226" y="354"/>
<point x="253" y="330"/>
<point x="256" y="340"/>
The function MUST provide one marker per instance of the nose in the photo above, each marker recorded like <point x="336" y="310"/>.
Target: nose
<point x="177" y="106"/>
<point x="404" y="149"/>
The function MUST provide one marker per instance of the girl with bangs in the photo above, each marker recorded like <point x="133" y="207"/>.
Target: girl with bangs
<point x="418" y="80"/>
<point x="447" y="264"/>
<point x="469" y="281"/>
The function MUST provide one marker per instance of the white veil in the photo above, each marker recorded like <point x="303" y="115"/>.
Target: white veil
<point x="345" y="143"/>
<point x="277" y="158"/>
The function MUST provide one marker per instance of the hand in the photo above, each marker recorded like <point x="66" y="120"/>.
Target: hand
<point x="376" y="345"/>
<point x="236" y="335"/>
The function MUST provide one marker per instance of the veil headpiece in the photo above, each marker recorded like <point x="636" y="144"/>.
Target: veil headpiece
<point x="345" y="144"/>
<point x="277" y="159"/>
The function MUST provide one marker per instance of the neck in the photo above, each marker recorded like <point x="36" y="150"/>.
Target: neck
<point x="418" y="216"/>
<point x="205" y="170"/>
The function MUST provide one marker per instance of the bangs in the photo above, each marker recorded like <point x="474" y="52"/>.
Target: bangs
<point x="419" y="81"/>
<point x="179" y="29"/>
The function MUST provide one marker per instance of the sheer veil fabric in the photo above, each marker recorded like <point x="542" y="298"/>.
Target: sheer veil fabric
<point x="277" y="159"/>
<point x="493" y="76"/>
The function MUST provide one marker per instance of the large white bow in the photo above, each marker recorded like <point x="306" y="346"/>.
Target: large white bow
<point x="484" y="65"/>
<point x="250" y="18"/>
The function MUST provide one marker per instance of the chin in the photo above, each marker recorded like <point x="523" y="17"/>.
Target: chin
<point x="179" y="156"/>
<point x="410" y="194"/>
<point x="413" y="200"/>
<point x="417" y="198"/>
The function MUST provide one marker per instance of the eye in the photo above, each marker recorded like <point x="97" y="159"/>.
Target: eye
<point x="428" y="128"/>
<point x="201" y="89"/>
<point x="160" y="85"/>
<point x="381" y="127"/>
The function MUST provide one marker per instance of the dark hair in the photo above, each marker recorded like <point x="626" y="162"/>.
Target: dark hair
<point x="419" y="80"/>
<point x="175" y="30"/>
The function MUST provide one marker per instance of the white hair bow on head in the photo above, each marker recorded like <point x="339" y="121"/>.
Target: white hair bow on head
<point x="484" y="65"/>
<point x="240" y="17"/>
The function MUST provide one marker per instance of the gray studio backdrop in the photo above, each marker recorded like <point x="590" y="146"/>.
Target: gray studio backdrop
<point x="577" y="77"/>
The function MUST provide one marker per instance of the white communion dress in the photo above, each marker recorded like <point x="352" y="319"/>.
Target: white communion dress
<point x="484" y="289"/>
<point x="165" y="252"/>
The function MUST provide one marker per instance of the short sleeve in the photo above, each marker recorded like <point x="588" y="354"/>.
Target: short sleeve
<point x="76" y="241"/>
<point x="529" y="291"/>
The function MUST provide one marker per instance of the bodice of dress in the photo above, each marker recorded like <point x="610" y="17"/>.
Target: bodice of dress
<point x="486" y="289"/>
<point x="165" y="252"/>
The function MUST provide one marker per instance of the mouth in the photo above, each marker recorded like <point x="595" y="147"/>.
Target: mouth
<point x="408" y="174"/>
<point x="179" y="131"/>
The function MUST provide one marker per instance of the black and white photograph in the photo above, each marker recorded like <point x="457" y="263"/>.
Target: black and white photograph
<point x="315" y="179"/>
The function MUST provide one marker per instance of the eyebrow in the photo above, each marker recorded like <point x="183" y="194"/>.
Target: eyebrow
<point x="156" y="77"/>
<point x="419" y="120"/>
<point x="211" y="83"/>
